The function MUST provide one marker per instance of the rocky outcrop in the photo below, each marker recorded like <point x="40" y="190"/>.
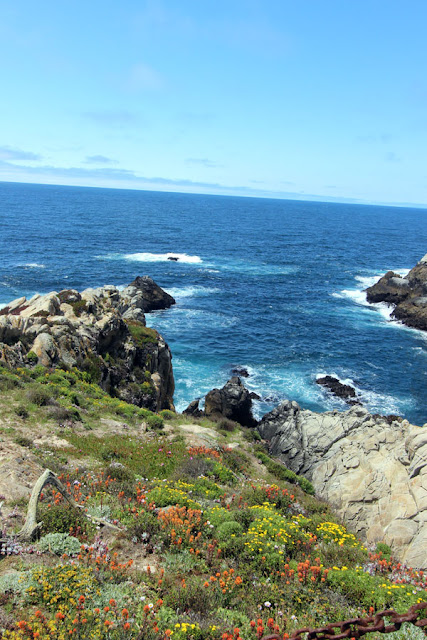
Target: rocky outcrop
<point x="373" y="472"/>
<point x="99" y="330"/>
<point x="337" y="388"/>
<point x="409" y="295"/>
<point x="153" y="297"/>
<point x="233" y="401"/>
<point x="193" y="409"/>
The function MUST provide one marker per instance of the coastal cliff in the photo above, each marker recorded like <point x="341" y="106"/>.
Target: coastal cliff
<point x="408" y="294"/>
<point x="371" y="469"/>
<point x="101" y="331"/>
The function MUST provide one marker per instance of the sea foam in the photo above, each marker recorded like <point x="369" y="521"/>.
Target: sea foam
<point x="191" y="292"/>
<point x="358" y="295"/>
<point x="163" y="257"/>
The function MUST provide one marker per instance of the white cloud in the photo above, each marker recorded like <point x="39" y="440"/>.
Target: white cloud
<point x="10" y="153"/>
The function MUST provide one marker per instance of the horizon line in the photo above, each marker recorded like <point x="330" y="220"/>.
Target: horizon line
<point x="239" y="192"/>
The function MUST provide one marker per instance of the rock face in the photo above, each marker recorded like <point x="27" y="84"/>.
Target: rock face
<point x="233" y="401"/>
<point x="153" y="296"/>
<point x="99" y="330"/>
<point x="409" y="295"/>
<point x="373" y="472"/>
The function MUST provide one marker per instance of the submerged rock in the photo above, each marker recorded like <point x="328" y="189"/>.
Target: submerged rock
<point x="239" y="371"/>
<point x="372" y="469"/>
<point x="344" y="391"/>
<point x="98" y="330"/>
<point x="409" y="295"/>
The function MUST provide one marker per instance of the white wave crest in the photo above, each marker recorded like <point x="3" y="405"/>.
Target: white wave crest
<point x="163" y="257"/>
<point x="358" y="295"/>
<point x="191" y="292"/>
<point x="32" y="265"/>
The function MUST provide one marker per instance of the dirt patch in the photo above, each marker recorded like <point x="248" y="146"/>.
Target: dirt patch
<point x="196" y="435"/>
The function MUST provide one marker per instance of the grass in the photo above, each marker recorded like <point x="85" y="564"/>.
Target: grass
<point x="140" y="334"/>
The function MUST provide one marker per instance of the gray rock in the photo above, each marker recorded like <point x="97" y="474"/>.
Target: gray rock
<point x="99" y="329"/>
<point x="233" y="401"/>
<point x="373" y="471"/>
<point x="409" y="295"/>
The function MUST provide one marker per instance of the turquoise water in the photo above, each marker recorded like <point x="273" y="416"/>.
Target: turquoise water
<point x="272" y="285"/>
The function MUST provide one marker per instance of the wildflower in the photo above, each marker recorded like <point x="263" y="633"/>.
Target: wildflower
<point x="267" y="604"/>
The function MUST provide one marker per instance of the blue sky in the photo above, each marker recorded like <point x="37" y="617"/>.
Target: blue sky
<point x="282" y="98"/>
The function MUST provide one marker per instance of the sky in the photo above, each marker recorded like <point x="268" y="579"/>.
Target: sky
<point x="321" y="99"/>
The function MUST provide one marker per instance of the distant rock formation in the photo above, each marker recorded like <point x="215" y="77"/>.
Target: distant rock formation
<point x="373" y="472"/>
<point x="99" y="330"/>
<point x="409" y="295"/>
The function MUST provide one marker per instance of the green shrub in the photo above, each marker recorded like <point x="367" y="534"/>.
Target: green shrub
<point x="62" y="414"/>
<point x="39" y="395"/>
<point x="383" y="548"/>
<point x="166" y="414"/>
<point x="282" y="473"/>
<point x="228" y="529"/>
<point x="32" y="357"/>
<point x="227" y="425"/>
<point x="79" y="307"/>
<point x="22" y="412"/>
<point x="366" y="590"/>
<point x="13" y="582"/>
<point x="144" y="527"/>
<point x="24" y="442"/>
<point x="59" y="543"/>
<point x="236" y="460"/>
<point x="62" y="518"/>
<point x="217" y="515"/>
<point x="165" y="496"/>
<point x="245" y="517"/>
<point x="193" y="467"/>
<point x="155" y="422"/>
<point x="91" y="365"/>
<point x="140" y="334"/>
<point x="223" y="474"/>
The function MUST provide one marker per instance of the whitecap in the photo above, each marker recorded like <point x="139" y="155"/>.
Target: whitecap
<point x="191" y="292"/>
<point x="186" y="319"/>
<point x="358" y="296"/>
<point x="163" y="257"/>
<point x="32" y="265"/>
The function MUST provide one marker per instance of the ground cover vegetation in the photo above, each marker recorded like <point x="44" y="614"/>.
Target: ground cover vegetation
<point x="208" y="540"/>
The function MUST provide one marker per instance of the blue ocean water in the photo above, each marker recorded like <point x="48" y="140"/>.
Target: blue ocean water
<point x="275" y="286"/>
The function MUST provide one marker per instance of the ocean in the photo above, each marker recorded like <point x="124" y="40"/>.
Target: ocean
<point x="275" y="286"/>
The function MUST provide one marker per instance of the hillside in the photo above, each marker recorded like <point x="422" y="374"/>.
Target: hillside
<point x="188" y="529"/>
